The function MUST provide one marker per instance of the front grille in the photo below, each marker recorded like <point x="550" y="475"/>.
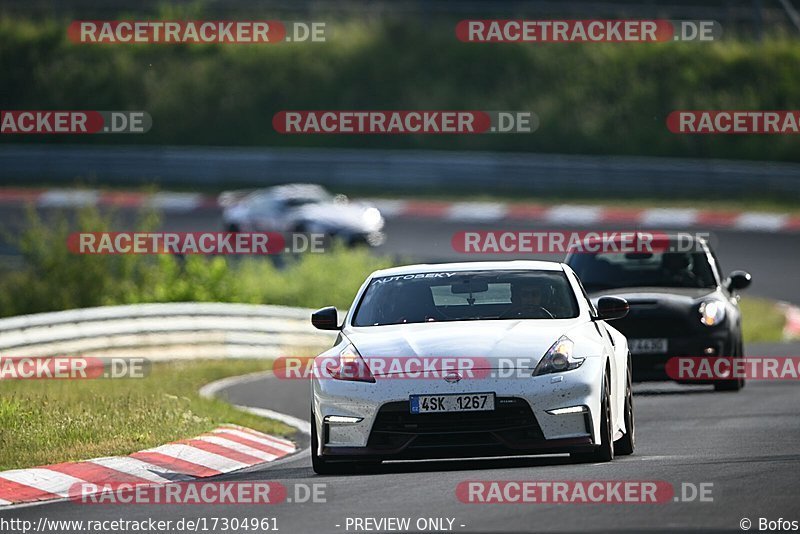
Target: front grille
<point x="511" y="424"/>
<point x="653" y="326"/>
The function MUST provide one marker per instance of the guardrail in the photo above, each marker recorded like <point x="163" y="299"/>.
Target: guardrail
<point x="398" y="170"/>
<point x="164" y="331"/>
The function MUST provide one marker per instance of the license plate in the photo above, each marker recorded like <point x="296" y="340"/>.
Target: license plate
<point x="462" y="402"/>
<point x="648" y="346"/>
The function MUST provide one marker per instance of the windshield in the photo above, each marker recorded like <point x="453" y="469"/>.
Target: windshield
<point x="667" y="269"/>
<point x="296" y="202"/>
<point x="466" y="296"/>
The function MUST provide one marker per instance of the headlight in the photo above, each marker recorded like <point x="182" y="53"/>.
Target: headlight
<point x="352" y="366"/>
<point x="558" y="358"/>
<point x="712" y="312"/>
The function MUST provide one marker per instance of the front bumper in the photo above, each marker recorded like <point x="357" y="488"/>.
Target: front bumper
<point x="650" y="367"/>
<point x="519" y="425"/>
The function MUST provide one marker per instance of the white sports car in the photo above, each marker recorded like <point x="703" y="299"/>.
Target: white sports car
<point x="471" y="359"/>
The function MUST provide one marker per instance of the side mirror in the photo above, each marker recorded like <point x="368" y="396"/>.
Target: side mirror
<point x="326" y="318"/>
<point x="609" y="308"/>
<point x="738" y="280"/>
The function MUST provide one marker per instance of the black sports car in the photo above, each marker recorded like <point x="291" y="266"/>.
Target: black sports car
<point x="680" y="305"/>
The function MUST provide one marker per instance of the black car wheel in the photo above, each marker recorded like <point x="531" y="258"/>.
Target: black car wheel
<point x="732" y="385"/>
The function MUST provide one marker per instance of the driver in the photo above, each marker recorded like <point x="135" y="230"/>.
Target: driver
<point x="527" y="300"/>
<point x="675" y="266"/>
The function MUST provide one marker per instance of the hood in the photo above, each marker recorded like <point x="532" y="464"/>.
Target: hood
<point x="653" y="295"/>
<point x="483" y="340"/>
<point x="350" y="215"/>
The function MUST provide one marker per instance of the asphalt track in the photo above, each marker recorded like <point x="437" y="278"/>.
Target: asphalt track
<point x="744" y="443"/>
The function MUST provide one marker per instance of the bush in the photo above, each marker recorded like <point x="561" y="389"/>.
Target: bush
<point x="55" y="279"/>
<point x="591" y="98"/>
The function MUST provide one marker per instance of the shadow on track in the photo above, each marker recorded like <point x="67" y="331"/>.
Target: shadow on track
<point x="425" y="466"/>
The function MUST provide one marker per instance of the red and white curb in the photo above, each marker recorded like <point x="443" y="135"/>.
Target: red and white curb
<point x="78" y="198"/>
<point x="575" y="214"/>
<point x="791" y="328"/>
<point x="225" y="449"/>
<point x="466" y="212"/>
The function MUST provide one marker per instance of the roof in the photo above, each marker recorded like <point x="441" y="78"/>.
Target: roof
<point x="298" y="190"/>
<point x="526" y="265"/>
<point x="651" y="235"/>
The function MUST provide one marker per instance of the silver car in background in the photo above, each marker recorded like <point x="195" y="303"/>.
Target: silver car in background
<point x="307" y="208"/>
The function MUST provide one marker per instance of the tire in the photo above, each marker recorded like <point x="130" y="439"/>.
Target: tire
<point x="732" y="385"/>
<point x="605" y="451"/>
<point x="627" y="443"/>
<point x="320" y="466"/>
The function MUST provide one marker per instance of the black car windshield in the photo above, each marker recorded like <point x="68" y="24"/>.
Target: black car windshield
<point x="666" y="269"/>
<point x="466" y="296"/>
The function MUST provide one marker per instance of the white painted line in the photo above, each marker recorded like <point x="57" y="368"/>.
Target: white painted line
<point x="176" y="201"/>
<point x="138" y="468"/>
<point x="476" y="211"/>
<point x="198" y="456"/>
<point x="761" y="221"/>
<point x="270" y="441"/>
<point x="669" y="217"/>
<point x="209" y="390"/>
<point x="65" y="198"/>
<point x="212" y="388"/>
<point x="574" y="214"/>
<point x="235" y="445"/>
<point x="43" y="480"/>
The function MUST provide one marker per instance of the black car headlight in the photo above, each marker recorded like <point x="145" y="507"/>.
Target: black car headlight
<point x="712" y="312"/>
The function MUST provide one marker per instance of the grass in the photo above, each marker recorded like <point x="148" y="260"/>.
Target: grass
<point x="762" y="320"/>
<point x="51" y="421"/>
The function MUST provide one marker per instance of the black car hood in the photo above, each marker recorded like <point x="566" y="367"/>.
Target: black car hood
<point x="636" y="295"/>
